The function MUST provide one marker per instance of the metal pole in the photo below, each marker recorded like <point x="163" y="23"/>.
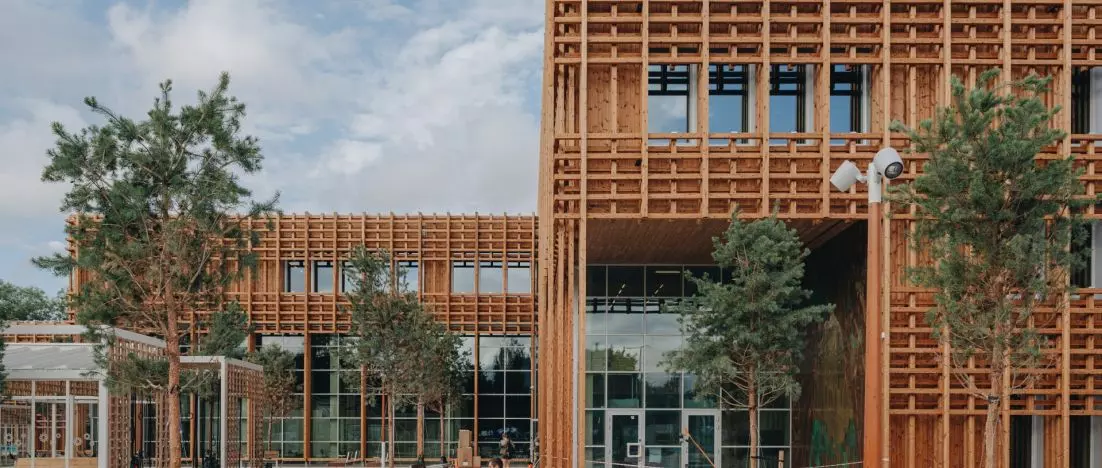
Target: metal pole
<point x="872" y="409"/>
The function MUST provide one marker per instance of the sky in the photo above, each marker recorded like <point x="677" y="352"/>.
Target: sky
<point x="360" y="105"/>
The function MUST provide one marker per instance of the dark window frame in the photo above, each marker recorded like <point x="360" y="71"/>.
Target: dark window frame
<point x="288" y="266"/>
<point x="786" y="74"/>
<point x="1081" y="101"/>
<point x="314" y="266"/>
<point x="725" y="79"/>
<point x="668" y="80"/>
<point x="854" y="77"/>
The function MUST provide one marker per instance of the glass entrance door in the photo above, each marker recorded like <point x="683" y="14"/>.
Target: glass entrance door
<point x="623" y="438"/>
<point x="701" y="447"/>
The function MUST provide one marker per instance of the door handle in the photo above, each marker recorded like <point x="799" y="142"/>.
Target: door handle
<point x="633" y="449"/>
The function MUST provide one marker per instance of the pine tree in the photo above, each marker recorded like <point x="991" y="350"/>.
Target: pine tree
<point x="395" y="341"/>
<point x="744" y="336"/>
<point x="162" y="224"/>
<point x="278" y="399"/>
<point x="998" y="226"/>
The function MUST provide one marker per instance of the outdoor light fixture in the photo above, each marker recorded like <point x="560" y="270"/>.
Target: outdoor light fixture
<point x="886" y="163"/>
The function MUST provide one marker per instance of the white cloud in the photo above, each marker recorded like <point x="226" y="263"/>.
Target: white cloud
<point x="413" y="105"/>
<point x="24" y="141"/>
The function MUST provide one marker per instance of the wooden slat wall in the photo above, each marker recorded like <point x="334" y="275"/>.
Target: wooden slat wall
<point x="599" y="163"/>
<point x="431" y="240"/>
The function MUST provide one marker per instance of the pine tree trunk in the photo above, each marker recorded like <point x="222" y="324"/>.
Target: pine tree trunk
<point x="752" y="398"/>
<point x="442" y="431"/>
<point x="991" y="424"/>
<point x="420" y="428"/>
<point x="172" y="353"/>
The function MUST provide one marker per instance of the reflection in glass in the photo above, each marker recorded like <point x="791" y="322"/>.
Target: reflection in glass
<point x="625" y="391"/>
<point x="626" y="281"/>
<point x="654" y="353"/>
<point x="663" y="281"/>
<point x="519" y="277"/>
<point x="663" y="390"/>
<point x="462" y="277"/>
<point x="773" y="427"/>
<point x="596" y="353"/>
<point x="294" y="276"/>
<point x="409" y="280"/>
<point x="595" y="425"/>
<point x="595" y="390"/>
<point x="323" y="276"/>
<point x="595" y="285"/>
<point x="491" y="278"/>
<point x="728" y="103"/>
<point x="663" y="428"/>
<point x="624" y="352"/>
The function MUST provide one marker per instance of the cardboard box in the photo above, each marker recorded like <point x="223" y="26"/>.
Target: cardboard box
<point x="465" y="453"/>
<point x="464" y="438"/>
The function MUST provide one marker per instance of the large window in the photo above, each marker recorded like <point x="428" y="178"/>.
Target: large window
<point x="491" y="277"/>
<point x="323" y="276"/>
<point x="729" y="98"/>
<point x="519" y="276"/>
<point x="1086" y="101"/>
<point x="462" y="277"/>
<point x="287" y="434"/>
<point x="848" y="100"/>
<point x="790" y="100"/>
<point x="294" y="276"/>
<point x="671" y="99"/>
<point x="504" y="393"/>
<point x="335" y="400"/>
<point x="409" y="279"/>
<point x="627" y="336"/>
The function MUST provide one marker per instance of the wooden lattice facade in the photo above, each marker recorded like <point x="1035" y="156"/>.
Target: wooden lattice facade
<point x="432" y="242"/>
<point x="613" y="190"/>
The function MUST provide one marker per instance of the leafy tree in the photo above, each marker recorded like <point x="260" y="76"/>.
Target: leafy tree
<point x="394" y="340"/>
<point x="30" y="303"/>
<point x="442" y="384"/>
<point x="997" y="226"/>
<point x="743" y="337"/>
<point x="163" y="223"/>
<point x="278" y="399"/>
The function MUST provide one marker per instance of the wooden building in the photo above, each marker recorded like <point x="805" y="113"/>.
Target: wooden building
<point x="660" y="117"/>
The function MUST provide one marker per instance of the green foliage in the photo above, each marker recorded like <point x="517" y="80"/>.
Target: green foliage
<point x="745" y="336"/>
<point x="277" y="400"/>
<point x="226" y="333"/>
<point x="996" y="222"/>
<point x="161" y="220"/>
<point x="19" y="303"/>
<point x="412" y="358"/>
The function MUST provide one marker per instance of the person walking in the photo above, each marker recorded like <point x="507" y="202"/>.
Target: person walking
<point x="505" y="449"/>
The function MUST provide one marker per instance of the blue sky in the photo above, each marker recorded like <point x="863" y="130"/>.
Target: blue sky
<point x="360" y="105"/>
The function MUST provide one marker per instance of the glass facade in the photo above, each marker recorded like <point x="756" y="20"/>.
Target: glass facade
<point x="632" y="399"/>
<point x="287" y="434"/>
<point x="497" y="398"/>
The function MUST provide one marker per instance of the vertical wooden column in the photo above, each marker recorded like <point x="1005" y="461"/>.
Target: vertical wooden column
<point x="1064" y="118"/>
<point x="644" y="111"/>
<point x="762" y="108"/>
<point x="702" y="103"/>
<point x="944" y="100"/>
<point x="307" y="394"/>
<point x="576" y="310"/>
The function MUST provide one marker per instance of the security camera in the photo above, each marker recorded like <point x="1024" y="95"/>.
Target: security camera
<point x="888" y="163"/>
<point x="846" y="175"/>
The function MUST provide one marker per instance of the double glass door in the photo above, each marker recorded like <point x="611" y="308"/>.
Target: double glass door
<point x="625" y="436"/>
